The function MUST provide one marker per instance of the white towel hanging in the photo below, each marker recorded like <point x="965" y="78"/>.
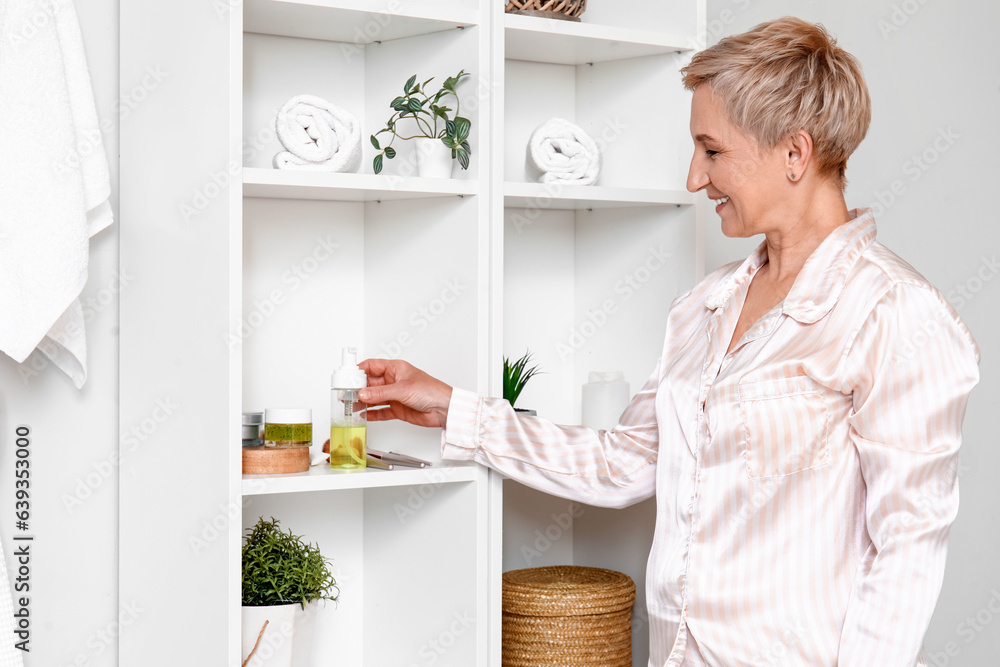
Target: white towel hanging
<point x="54" y="183"/>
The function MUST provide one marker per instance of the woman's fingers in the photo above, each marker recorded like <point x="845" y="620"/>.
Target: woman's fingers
<point x="411" y="394"/>
<point x="382" y="371"/>
<point x="378" y="394"/>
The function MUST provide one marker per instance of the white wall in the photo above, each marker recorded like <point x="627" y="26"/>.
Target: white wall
<point x="934" y="74"/>
<point x="74" y="483"/>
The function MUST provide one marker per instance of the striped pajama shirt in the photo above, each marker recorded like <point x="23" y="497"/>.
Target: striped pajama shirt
<point x="805" y="481"/>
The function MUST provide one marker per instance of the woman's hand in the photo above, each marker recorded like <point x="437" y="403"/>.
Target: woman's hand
<point x="412" y="395"/>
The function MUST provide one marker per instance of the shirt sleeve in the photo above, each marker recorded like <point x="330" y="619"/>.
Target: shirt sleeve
<point x="613" y="468"/>
<point x="911" y="369"/>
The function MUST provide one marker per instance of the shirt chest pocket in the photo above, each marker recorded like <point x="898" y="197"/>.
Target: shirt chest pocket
<point x="786" y="426"/>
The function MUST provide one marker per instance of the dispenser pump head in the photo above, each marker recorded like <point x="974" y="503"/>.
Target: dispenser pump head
<point x="349" y="376"/>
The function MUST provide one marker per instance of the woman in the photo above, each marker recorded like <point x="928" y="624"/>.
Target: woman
<point x="803" y="451"/>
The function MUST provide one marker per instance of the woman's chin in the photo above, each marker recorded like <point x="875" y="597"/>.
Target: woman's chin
<point x="734" y="230"/>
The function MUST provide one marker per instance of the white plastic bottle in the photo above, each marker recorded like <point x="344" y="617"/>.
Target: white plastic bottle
<point x="348" y="423"/>
<point x="605" y="397"/>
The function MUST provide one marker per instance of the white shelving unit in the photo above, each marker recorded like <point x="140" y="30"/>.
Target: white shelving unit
<point x="588" y="273"/>
<point x="278" y="184"/>
<point x="399" y="268"/>
<point x="574" y="197"/>
<point x="570" y="43"/>
<point x="321" y="478"/>
<point x="357" y="22"/>
<point x="285" y="268"/>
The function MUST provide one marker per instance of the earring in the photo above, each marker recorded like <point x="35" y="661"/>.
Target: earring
<point x="793" y="177"/>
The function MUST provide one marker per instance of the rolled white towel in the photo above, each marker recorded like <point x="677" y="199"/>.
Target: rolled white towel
<point x="317" y="135"/>
<point x="562" y="152"/>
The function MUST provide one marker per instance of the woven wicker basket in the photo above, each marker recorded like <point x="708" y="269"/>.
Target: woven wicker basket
<point x="567" y="616"/>
<point x="567" y="10"/>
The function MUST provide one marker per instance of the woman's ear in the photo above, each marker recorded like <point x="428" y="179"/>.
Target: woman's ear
<point x="798" y="154"/>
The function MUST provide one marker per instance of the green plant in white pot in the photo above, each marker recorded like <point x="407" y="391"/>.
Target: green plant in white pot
<point x="283" y="579"/>
<point x="439" y="131"/>
<point x="515" y="376"/>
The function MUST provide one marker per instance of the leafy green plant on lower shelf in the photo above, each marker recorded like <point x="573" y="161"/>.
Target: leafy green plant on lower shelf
<point x="427" y="116"/>
<point x="516" y="375"/>
<point x="280" y="568"/>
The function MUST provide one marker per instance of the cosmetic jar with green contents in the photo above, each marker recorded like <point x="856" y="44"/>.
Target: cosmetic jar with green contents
<point x="288" y="427"/>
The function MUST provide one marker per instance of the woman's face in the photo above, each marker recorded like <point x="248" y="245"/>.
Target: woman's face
<point x="745" y="181"/>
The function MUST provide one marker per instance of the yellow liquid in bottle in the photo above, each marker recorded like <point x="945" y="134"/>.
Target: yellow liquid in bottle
<point x="348" y="448"/>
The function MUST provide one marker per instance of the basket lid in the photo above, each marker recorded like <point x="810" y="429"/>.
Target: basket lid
<point x="566" y="590"/>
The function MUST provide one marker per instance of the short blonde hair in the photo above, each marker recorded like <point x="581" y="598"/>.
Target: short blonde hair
<point x="784" y="76"/>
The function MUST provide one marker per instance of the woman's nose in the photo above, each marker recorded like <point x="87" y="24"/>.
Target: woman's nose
<point x="697" y="178"/>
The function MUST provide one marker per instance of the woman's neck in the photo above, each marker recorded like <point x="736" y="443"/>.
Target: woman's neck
<point x="789" y="246"/>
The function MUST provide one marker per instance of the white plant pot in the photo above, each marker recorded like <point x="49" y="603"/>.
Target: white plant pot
<point x="287" y="640"/>
<point x="305" y="623"/>
<point x="433" y="158"/>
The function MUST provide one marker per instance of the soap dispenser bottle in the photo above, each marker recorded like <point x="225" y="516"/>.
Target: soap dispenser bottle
<point x="348" y="424"/>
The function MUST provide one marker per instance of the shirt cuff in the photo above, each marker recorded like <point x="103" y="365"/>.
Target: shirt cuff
<point x="460" y="437"/>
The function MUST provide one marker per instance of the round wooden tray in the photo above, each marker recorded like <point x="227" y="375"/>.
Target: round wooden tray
<point x="262" y="460"/>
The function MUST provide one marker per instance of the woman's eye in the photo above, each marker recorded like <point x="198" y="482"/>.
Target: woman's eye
<point x="711" y="153"/>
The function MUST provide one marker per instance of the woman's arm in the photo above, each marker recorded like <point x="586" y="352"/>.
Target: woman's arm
<point x="911" y="368"/>
<point x="604" y="468"/>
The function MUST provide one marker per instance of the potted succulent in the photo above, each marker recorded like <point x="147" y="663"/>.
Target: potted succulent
<point x="283" y="578"/>
<point x="440" y="133"/>
<point x="515" y="377"/>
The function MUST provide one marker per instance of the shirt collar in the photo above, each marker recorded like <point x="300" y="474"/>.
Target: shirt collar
<point x="823" y="276"/>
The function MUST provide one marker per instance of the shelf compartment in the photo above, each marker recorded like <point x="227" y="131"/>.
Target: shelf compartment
<point x="582" y="197"/>
<point x="635" y="110"/>
<point x="327" y="186"/>
<point x="352" y="21"/>
<point x="389" y="547"/>
<point x="322" y="478"/>
<point x="570" y="43"/>
<point x="588" y="291"/>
